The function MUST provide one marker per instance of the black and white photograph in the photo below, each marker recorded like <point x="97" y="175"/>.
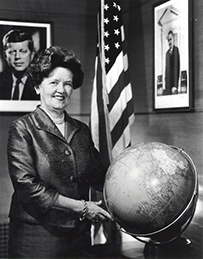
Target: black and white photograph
<point x="20" y="42"/>
<point x="172" y="58"/>
<point x="101" y="129"/>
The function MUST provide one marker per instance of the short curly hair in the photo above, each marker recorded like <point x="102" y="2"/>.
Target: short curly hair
<point x="51" y="58"/>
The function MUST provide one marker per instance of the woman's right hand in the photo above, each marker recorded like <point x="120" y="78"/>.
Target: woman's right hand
<point x="95" y="213"/>
<point x="86" y="209"/>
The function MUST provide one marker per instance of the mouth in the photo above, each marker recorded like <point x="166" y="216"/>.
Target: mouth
<point x="18" y="64"/>
<point x="59" y="97"/>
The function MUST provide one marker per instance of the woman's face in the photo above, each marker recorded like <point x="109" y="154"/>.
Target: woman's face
<point x="56" y="89"/>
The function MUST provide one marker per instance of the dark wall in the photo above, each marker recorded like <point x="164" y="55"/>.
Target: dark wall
<point x="74" y="26"/>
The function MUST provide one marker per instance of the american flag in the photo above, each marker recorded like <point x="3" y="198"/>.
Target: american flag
<point x="112" y="103"/>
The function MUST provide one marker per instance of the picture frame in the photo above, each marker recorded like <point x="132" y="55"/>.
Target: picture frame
<point x="173" y="89"/>
<point x="41" y="33"/>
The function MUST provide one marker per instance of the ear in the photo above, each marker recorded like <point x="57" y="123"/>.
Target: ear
<point x="37" y="90"/>
<point x="32" y="55"/>
<point x="5" y="56"/>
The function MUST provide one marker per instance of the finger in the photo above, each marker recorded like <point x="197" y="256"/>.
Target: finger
<point x="92" y="214"/>
<point x="106" y="215"/>
<point x="98" y="202"/>
<point x="103" y="218"/>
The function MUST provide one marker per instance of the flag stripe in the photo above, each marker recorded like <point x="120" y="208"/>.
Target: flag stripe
<point x="121" y="124"/>
<point x="125" y="62"/>
<point x="94" y="122"/>
<point x="122" y="84"/>
<point x="114" y="72"/>
<point x="124" y="140"/>
<point x="119" y="107"/>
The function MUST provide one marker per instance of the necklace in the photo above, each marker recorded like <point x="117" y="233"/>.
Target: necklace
<point x="55" y="120"/>
<point x="59" y="120"/>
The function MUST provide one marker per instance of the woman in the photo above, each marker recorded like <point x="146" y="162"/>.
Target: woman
<point x="52" y="163"/>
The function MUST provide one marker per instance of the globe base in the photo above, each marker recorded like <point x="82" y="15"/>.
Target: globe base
<point x="152" y="251"/>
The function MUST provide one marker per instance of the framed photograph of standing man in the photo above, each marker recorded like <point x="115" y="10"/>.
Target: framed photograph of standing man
<point x="172" y="56"/>
<point x="20" y="42"/>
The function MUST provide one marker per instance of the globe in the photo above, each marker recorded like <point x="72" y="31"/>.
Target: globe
<point x="151" y="190"/>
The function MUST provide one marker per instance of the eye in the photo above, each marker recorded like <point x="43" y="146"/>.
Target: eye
<point x="55" y="82"/>
<point x="68" y="83"/>
<point x="23" y="51"/>
<point x="11" y="52"/>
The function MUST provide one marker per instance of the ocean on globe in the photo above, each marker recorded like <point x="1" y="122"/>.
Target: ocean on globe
<point x="151" y="190"/>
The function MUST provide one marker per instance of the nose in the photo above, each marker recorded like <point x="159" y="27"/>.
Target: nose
<point x="17" y="54"/>
<point x="60" y="87"/>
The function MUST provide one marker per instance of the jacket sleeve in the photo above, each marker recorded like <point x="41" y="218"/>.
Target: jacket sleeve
<point x="33" y="195"/>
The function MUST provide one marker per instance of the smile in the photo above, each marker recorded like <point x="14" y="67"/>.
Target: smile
<point x="59" y="97"/>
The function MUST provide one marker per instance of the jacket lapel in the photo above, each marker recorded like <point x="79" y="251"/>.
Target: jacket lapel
<point x="71" y="127"/>
<point x="43" y="122"/>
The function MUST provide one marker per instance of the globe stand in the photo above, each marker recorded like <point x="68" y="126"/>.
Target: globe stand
<point x="171" y="239"/>
<point x="150" y="250"/>
<point x="168" y="250"/>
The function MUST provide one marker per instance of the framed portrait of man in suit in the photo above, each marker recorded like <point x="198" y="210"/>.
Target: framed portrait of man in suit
<point x="173" y="56"/>
<point x="20" y="43"/>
